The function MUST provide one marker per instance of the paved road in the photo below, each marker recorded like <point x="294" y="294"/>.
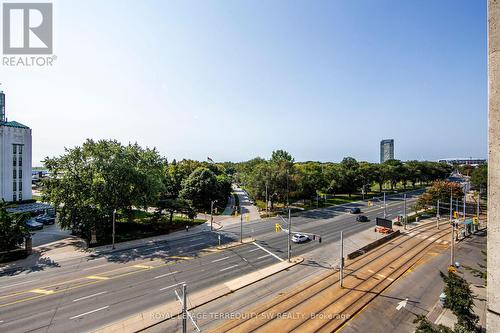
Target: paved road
<point x="422" y="289"/>
<point x="87" y="293"/>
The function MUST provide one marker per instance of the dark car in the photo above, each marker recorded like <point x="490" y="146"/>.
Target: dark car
<point x="46" y="219"/>
<point x="355" y="210"/>
<point x="362" y="218"/>
<point x="33" y="225"/>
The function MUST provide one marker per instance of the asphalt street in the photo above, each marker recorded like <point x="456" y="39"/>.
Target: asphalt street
<point x="87" y="293"/>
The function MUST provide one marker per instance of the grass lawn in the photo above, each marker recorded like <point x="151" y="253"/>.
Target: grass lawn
<point x="141" y="225"/>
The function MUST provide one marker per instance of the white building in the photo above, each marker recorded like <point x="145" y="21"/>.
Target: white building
<point x="15" y="163"/>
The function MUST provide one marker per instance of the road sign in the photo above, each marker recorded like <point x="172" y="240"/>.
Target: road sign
<point x="383" y="223"/>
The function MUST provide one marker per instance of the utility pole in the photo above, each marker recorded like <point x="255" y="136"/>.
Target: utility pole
<point x="477" y="210"/>
<point x="404" y="196"/>
<point x="184" y="309"/>
<point x="241" y="225"/>
<point x="212" y="214"/>
<point x="267" y="202"/>
<point x="289" y="235"/>
<point x="114" y="217"/>
<point x="451" y="205"/>
<point x="385" y="210"/>
<point x="465" y="201"/>
<point x="438" y="215"/>
<point x="452" y="244"/>
<point x="341" y="259"/>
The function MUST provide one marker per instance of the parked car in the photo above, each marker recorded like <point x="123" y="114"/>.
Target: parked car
<point x="362" y="218"/>
<point x="31" y="224"/>
<point x="355" y="210"/>
<point x="46" y="219"/>
<point x="300" y="238"/>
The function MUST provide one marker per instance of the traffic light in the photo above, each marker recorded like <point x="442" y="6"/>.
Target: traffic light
<point x="455" y="214"/>
<point x="277" y="226"/>
<point x="475" y="220"/>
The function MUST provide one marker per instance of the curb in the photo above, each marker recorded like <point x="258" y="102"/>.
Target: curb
<point x="236" y="244"/>
<point x="164" y="312"/>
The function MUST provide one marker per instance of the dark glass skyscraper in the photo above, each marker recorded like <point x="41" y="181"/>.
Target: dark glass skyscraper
<point x="386" y="150"/>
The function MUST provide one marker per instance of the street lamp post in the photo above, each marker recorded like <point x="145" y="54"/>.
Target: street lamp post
<point x="212" y="214"/>
<point x="404" y="211"/>
<point x="289" y="235"/>
<point x="114" y="213"/>
<point x="385" y="210"/>
<point x="241" y="225"/>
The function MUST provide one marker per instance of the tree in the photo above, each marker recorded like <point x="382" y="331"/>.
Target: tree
<point x="424" y="326"/>
<point x="479" y="177"/>
<point x="413" y="171"/>
<point x="91" y="181"/>
<point x="440" y="190"/>
<point x="12" y="229"/>
<point x="394" y="171"/>
<point x="173" y="206"/>
<point x="348" y="177"/>
<point x="460" y="300"/>
<point x="310" y="179"/>
<point x="200" y="188"/>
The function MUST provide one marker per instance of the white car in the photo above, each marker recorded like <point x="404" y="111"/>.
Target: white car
<point x="299" y="238"/>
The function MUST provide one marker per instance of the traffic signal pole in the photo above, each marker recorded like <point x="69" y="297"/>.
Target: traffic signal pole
<point x="341" y="259"/>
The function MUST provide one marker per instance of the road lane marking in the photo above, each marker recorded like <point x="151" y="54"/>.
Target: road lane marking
<point x="194" y="245"/>
<point x="97" y="277"/>
<point x="89" y="296"/>
<point x="89" y="312"/>
<point x="225" y="269"/>
<point x="268" y="251"/>
<point x="382" y="276"/>
<point x="220" y="259"/>
<point x="172" y="285"/>
<point x="438" y="241"/>
<point x="16" y="284"/>
<point x="86" y="269"/>
<point x="432" y="238"/>
<point x="253" y="250"/>
<point x="370" y="271"/>
<point x="163" y="275"/>
<point x="143" y="266"/>
<point x="42" y="291"/>
<point x="264" y="256"/>
<point x="445" y="242"/>
<point x="390" y="279"/>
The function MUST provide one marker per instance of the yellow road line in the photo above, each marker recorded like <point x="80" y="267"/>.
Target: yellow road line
<point x="143" y="266"/>
<point x="97" y="277"/>
<point x="42" y="291"/>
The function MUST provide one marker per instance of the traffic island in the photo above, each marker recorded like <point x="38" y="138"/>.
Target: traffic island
<point x="161" y="313"/>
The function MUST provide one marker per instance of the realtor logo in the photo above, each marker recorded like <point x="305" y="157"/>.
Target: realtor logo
<point x="27" y="28"/>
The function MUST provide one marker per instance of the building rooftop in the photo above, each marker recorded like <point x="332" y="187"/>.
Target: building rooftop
<point x="12" y="124"/>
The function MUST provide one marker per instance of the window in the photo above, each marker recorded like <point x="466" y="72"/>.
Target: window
<point x="20" y="161"/>
<point x="20" y="149"/>
<point x="14" y="161"/>
<point x="20" y="173"/>
<point x="20" y="186"/>
<point x="14" y="186"/>
<point x="14" y="147"/>
<point x="20" y="196"/>
<point x="14" y="197"/>
<point x="14" y="174"/>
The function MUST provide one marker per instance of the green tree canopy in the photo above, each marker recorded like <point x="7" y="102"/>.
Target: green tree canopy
<point x="12" y="229"/>
<point x="90" y="181"/>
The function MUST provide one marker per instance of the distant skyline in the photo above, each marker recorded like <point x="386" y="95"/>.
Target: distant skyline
<point x="234" y="80"/>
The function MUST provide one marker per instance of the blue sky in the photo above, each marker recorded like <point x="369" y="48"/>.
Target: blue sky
<point x="237" y="79"/>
